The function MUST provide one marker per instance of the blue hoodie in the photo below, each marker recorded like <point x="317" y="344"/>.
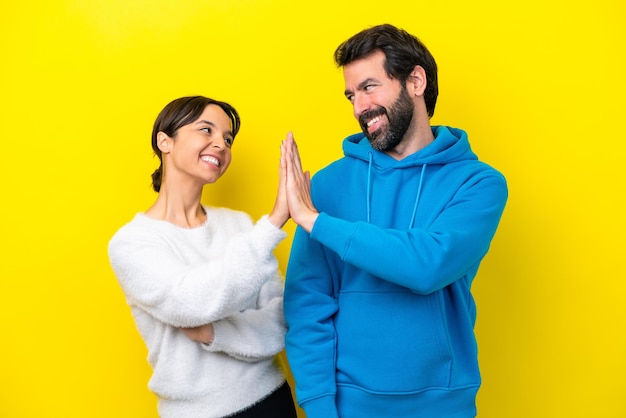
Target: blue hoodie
<point x="377" y="297"/>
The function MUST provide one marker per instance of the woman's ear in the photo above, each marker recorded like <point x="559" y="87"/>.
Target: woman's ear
<point x="163" y="142"/>
<point x="417" y="81"/>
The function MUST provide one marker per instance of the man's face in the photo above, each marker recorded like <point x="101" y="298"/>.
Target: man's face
<point x="382" y="106"/>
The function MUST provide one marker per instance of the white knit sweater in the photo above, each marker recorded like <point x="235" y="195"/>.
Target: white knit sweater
<point x="223" y="272"/>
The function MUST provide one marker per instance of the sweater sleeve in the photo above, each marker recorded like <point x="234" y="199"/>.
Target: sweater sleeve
<point x="157" y="280"/>
<point x="256" y="333"/>
<point x="432" y="258"/>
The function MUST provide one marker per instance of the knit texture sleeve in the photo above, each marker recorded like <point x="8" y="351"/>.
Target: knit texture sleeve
<point x="256" y="333"/>
<point x="187" y="284"/>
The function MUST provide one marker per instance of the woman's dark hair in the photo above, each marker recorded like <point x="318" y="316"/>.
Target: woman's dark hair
<point x="403" y="52"/>
<point x="181" y="112"/>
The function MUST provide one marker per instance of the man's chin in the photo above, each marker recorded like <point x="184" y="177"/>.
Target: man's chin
<point x="372" y="136"/>
<point x="378" y="146"/>
<point x="376" y="140"/>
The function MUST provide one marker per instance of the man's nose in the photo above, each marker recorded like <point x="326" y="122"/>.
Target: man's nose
<point x="360" y="104"/>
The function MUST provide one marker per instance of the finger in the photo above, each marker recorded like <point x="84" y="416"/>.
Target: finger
<point x="297" y="159"/>
<point x="293" y="169"/>
<point x="283" y="161"/>
<point x="288" y="163"/>
<point x="282" y="169"/>
<point x="286" y="146"/>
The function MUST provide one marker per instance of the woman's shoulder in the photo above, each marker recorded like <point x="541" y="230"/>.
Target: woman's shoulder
<point x="139" y="226"/>
<point x="223" y="214"/>
<point x="227" y="220"/>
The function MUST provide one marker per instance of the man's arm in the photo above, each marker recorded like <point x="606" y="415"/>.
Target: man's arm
<point x="423" y="259"/>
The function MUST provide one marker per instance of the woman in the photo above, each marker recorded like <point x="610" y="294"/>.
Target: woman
<point x="202" y="282"/>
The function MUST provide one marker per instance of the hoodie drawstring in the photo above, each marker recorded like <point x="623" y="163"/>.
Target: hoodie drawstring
<point x="369" y="187"/>
<point x="369" y="192"/>
<point x="417" y="197"/>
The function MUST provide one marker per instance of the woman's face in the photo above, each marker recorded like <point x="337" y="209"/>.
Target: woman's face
<point x="201" y="150"/>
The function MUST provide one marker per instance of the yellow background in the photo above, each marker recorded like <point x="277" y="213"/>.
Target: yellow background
<point x="538" y="85"/>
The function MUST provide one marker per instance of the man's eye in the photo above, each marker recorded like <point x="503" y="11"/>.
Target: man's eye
<point x="350" y="97"/>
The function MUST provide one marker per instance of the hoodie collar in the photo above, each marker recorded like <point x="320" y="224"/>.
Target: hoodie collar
<point x="450" y="144"/>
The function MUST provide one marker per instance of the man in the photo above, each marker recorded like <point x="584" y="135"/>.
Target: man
<point x="377" y="295"/>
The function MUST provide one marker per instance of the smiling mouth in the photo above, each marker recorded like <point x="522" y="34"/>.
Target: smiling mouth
<point x="209" y="159"/>
<point x="373" y="121"/>
<point x="369" y="119"/>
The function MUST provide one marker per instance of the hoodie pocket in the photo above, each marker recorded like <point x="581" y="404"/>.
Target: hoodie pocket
<point x="391" y="342"/>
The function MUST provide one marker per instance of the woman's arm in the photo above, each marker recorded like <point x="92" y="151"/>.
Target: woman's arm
<point x="159" y="281"/>
<point x="256" y="333"/>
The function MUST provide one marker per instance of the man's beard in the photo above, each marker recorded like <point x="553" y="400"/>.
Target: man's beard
<point x="399" y="118"/>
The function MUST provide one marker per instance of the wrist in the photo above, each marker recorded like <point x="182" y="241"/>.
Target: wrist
<point x="308" y="221"/>
<point x="277" y="220"/>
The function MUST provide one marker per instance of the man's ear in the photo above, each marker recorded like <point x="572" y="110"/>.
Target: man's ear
<point x="163" y="142"/>
<point x="417" y="81"/>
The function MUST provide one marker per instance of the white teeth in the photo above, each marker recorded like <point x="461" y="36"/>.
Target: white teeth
<point x="373" y="121"/>
<point x="209" y="159"/>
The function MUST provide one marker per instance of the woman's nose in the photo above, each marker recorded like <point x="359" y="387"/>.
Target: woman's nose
<point x="218" y="143"/>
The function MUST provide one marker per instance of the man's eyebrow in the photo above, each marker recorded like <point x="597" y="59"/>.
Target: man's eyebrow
<point x="361" y="85"/>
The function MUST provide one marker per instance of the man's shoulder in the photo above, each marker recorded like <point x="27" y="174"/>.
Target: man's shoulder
<point x="480" y="167"/>
<point x="331" y="175"/>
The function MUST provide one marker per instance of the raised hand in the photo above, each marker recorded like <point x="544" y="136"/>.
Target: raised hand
<point x="280" y="213"/>
<point x="298" y="185"/>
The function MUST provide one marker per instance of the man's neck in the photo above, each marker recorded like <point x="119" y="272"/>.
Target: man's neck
<point x="411" y="143"/>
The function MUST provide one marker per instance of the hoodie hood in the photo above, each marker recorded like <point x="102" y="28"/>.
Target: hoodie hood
<point x="450" y="145"/>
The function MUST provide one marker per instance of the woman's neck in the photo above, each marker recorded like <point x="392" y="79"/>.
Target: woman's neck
<point x="179" y="208"/>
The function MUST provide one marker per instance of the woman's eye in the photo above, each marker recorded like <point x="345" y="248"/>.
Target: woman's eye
<point x="228" y="141"/>
<point x="207" y="130"/>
